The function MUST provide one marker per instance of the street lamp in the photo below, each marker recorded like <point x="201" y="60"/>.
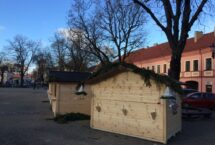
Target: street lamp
<point x="213" y="50"/>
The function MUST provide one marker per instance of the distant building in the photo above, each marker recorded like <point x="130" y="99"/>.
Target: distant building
<point x="12" y="76"/>
<point x="197" y="63"/>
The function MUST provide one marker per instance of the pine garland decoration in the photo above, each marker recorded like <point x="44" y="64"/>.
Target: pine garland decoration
<point x="147" y="75"/>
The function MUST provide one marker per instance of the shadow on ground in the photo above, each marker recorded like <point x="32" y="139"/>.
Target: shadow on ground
<point x="23" y="121"/>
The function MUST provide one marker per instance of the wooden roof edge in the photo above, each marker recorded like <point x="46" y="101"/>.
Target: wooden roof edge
<point x="147" y="75"/>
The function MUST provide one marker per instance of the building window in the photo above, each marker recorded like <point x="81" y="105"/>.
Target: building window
<point x="158" y="68"/>
<point x="153" y="68"/>
<point x="208" y="64"/>
<point x="187" y="66"/>
<point x="208" y="88"/>
<point x="164" y="68"/>
<point x="195" y="65"/>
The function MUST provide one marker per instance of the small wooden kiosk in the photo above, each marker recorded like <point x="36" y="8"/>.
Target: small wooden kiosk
<point x="135" y="102"/>
<point x="63" y="93"/>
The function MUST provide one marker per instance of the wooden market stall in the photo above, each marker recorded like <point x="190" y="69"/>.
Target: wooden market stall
<point x="65" y="95"/>
<point x="135" y="102"/>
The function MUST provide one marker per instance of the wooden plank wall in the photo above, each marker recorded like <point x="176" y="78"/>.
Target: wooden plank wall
<point x="52" y="97"/>
<point x="127" y="87"/>
<point x="49" y="92"/>
<point x="173" y="121"/>
<point x="70" y="102"/>
<point x="123" y="104"/>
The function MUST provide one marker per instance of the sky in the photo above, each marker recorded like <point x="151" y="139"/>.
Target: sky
<point x="35" y="19"/>
<point x="156" y="36"/>
<point x="39" y="19"/>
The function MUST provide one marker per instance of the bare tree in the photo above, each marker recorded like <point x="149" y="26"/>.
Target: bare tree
<point x="3" y="66"/>
<point x="2" y="57"/>
<point x="24" y="50"/>
<point x="44" y="63"/>
<point x="82" y="17"/>
<point x="123" y="25"/>
<point x="175" y="19"/>
<point x="78" y="58"/>
<point x="59" y="51"/>
<point x="112" y="28"/>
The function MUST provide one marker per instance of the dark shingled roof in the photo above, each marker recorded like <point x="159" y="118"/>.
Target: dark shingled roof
<point x="147" y="75"/>
<point x="61" y="76"/>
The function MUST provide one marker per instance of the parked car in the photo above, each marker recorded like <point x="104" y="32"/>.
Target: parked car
<point x="190" y="112"/>
<point x="188" y="91"/>
<point x="199" y="99"/>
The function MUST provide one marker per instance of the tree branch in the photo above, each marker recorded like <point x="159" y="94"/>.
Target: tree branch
<point x="196" y="14"/>
<point x="151" y="14"/>
<point x="176" y="19"/>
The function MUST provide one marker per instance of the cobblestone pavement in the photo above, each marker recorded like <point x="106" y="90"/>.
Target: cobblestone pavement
<point x="25" y="120"/>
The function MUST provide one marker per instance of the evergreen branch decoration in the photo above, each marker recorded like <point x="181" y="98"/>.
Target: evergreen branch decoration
<point x="147" y="75"/>
<point x="71" y="117"/>
<point x="81" y="93"/>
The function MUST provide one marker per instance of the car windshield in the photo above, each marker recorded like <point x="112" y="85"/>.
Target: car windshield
<point x="188" y="91"/>
<point x="195" y="95"/>
<point x="210" y="96"/>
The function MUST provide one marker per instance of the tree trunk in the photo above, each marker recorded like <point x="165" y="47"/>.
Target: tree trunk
<point x="175" y="62"/>
<point x="2" y="77"/>
<point x="175" y="67"/>
<point x="22" y="78"/>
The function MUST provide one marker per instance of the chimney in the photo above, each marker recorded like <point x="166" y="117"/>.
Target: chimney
<point x="198" y="35"/>
<point x="155" y="44"/>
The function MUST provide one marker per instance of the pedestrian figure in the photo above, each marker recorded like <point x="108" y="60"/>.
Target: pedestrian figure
<point x="34" y="84"/>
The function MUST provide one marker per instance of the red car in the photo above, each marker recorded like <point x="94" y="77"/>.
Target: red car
<point x="198" y="99"/>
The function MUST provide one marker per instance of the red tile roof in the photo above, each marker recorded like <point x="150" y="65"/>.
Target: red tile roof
<point x="163" y="49"/>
